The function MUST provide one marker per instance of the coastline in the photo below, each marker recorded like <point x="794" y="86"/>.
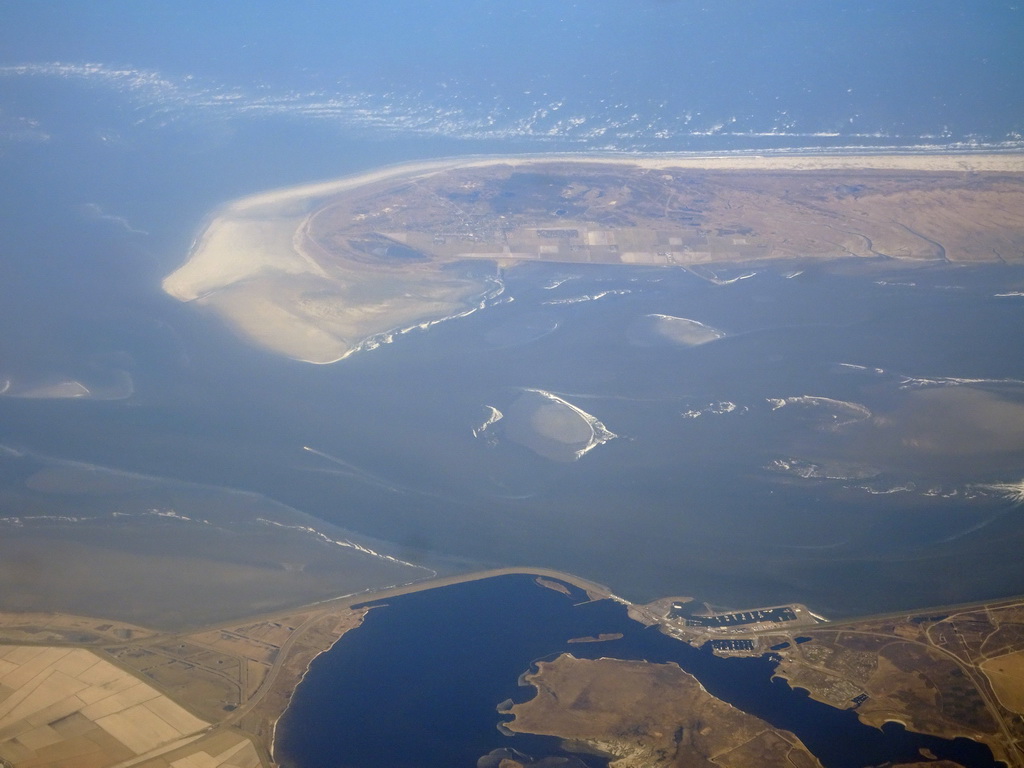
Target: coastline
<point x="358" y="602"/>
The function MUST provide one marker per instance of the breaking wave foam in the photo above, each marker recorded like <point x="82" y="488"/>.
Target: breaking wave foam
<point x="600" y="434"/>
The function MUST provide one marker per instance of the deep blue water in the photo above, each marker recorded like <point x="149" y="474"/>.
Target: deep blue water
<point x="417" y="684"/>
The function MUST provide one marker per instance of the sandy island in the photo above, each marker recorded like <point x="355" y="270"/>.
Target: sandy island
<point x="317" y="272"/>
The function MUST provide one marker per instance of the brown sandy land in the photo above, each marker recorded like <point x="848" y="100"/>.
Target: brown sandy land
<point x="905" y="682"/>
<point x="679" y="218"/>
<point x="1006" y="674"/>
<point x="649" y="715"/>
<point x="68" y="707"/>
<point x="223" y="749"/>
<point x="257" y="266"/>
<point x="927" y="671"/>
<point x="209" y="681"/>
<point x="223" y="672"/>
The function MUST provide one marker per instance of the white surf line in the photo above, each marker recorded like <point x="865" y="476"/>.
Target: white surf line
<point x="21" y="519"/>
<point x="911" y="382"/>
<point x="589" y="297"/>
<point x="718" y="408"/>
<point x="600" y="434"/>
<point x="170" y="513"/>
<point x="862" y="411"/>
<point x="909" y="488"/>
<point x="1013" y="491"/>
<point x="715" y="279"/>
<point x="559" y="281"/>
<point x="7" y="385"/>
<point x="388" y="337"/>
<point x="855" y="367"/>
<point x="347" y="543"/>
<point x="736" y="279"/>
<point x="494" y="417"/>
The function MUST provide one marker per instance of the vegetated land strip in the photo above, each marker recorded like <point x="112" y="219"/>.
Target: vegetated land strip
<point x="649" y="715"/>
<point x="951" y="671"/>
<point x="606" y="213"/>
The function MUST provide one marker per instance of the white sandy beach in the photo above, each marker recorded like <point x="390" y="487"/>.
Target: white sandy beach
<point x="286" y="200"/>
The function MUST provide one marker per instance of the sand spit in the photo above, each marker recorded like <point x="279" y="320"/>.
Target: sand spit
<point x="561" y="421"/>
<point x="117" y="387"/>
<point x="256" y="266"/>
